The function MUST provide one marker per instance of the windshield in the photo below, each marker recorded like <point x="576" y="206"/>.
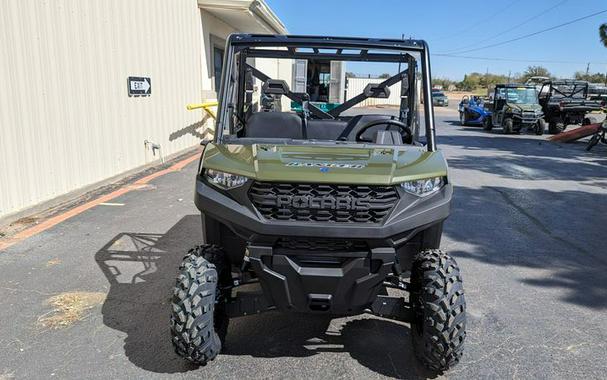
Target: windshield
<point x="316" y="95"/>
<point x="438" y="94"/>
<point x="519" y="95"/>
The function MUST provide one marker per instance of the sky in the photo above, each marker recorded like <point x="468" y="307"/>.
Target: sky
<point x="454" y="27"/>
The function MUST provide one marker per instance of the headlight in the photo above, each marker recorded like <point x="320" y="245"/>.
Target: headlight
<point x="224" y="180"/>
<point x="516" y="110"/>
<point x="423" y="187"/>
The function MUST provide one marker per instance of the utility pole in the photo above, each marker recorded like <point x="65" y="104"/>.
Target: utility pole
<point x="587" y="69"/>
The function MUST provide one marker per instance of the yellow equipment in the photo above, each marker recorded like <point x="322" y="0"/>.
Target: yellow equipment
<point x="206" y="106"/>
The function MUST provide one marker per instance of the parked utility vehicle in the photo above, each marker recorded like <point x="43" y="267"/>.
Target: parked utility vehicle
<point x="514" y="107"/>
<point x="472" y="111"/>
<point x="321" y="211"/>
<point x="564" y="102"/>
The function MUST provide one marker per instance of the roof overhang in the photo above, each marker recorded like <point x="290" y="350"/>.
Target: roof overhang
<point x="249" y="16"/>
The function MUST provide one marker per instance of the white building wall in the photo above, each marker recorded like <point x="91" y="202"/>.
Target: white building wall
<point x="66" y="120"/>
<point x="357" y="85"/>
<point x="275" y="68"/>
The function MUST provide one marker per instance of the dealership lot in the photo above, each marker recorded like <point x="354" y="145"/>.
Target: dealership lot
<point x="89" y="298"/>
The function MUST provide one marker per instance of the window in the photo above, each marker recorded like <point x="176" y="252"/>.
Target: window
<point x="217" y="66"/>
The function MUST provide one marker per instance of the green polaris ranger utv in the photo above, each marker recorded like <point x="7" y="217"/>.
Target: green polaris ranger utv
<point x="514" y="107"/>
<point x="321" y="211"/>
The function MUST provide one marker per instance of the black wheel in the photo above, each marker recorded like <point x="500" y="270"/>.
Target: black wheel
<point x="437" y="297"/>
<point x="508" y="125"/>
<point x="487" y="124"/>
<point x="198" y="320"/>
<point x="462" y="118"/>
<point x="589" y="120"/>
<point x="556" y="127"/>
<point x="593" y="141"/>
<point x="540" y="127"/>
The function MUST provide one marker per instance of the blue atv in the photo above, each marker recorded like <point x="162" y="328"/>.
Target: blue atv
<point x="472" y="111"/>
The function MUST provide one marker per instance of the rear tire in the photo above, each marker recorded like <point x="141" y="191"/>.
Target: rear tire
<point x="589" y="120"/>
<point x="556" y="127"/>
<point x="437" y="297"/>
<point x="462" y="119"/>
<point x="199" y="322"/>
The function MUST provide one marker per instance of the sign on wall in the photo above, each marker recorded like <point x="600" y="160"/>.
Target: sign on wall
<point x="140" y="86"/>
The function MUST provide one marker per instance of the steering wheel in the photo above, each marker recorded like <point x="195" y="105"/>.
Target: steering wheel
<point x="405" y="131"/>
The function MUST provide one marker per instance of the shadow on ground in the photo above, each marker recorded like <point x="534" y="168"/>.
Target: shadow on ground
<point x="561" y="233"/>
<point x="523" y="144"/>
<point x="141" y="270"/>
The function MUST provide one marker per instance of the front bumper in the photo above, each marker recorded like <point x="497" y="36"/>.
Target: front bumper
<point x="234" y="209"/>
<point x="291" y="282"/>
<point x="322" y="280"/>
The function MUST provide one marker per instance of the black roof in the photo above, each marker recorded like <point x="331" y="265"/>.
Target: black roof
<point x="568" y="81"/>
<point x="513" y="85"/>
<point x="327" y="42"/>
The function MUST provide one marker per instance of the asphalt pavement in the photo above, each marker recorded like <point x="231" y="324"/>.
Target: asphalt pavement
<point x="90" y="297"/>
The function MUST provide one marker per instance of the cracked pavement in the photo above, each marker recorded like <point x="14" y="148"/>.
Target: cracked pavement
<point x="528" y="229"/>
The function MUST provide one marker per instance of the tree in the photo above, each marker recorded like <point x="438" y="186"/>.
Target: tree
<point x="350" y="74"/>
<point x="384" y="75"/>
<point x="471" y="81"/>
<point x="535" y="71"/>
<point x="443" y="83"/>
<point x="603" y="34"/>
<point x="592" y="78"/>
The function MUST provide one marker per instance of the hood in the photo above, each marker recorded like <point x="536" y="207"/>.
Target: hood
<point x="525" y="107"/>
<point x="325" y="164"/>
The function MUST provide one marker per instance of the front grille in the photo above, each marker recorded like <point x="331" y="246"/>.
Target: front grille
<point x="323" y="202"/>
<point x="324" y="245"/>
<point x="529" y="116"/>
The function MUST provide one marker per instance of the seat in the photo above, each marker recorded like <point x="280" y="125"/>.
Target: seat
<point x="320" y="129"/>
<point x="345" y="130"/>
<point x="284" y="125"/>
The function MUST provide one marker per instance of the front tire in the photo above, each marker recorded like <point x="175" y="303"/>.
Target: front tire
<point x="508" y="126"/>
<point x="437" y="298"/>
<point x="462" y="119"/>
<point x="198" y="319"/>
<point x="487" y="124"/>
<point x="593" y="141"/>
<point x="540" y="127"/>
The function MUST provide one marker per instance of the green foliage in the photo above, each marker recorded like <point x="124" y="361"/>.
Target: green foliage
<point x="473" y="81"/>
<point x="384" y="75"/>
<point x="592" y="78"/>
<point x="603" y="34"/>
<point x="535" y="71"/>
<point x="443" y="82"/>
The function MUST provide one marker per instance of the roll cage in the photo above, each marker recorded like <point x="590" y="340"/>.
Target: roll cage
<point x="566" y="89"/>
<point x="240" y="47"/>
